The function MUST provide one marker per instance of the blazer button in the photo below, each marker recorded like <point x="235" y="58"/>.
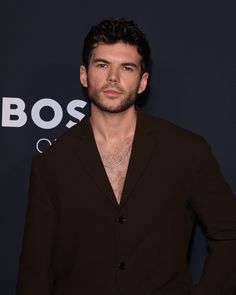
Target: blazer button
<point x="122" y="266"/>
<point x="121" y="219"/>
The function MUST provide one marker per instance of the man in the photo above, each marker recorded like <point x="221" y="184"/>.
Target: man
<point x="112" y="202"/>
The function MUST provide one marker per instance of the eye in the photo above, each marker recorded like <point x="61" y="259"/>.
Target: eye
<point x="101" y="65"/>
<point x="128" y="68"/>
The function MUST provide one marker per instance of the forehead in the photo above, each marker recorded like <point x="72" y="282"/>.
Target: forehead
<point x="119" y="51"/>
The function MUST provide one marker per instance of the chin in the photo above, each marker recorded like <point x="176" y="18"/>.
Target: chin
<point x="114" y="109"/>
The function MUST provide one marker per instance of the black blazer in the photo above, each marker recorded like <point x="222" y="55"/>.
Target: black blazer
<point x="79" y="241"/>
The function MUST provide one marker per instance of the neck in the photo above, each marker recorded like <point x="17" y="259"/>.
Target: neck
<point x="113" y="127"/>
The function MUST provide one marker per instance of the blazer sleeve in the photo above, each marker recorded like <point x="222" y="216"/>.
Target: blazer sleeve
<point x="35" y="270"/>
<point x="215" y="206"/>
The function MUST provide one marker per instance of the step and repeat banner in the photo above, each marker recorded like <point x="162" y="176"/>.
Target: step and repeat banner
<point x="192" y="84"/>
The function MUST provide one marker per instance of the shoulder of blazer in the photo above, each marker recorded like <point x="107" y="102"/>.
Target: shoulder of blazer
<point x="64" y="142"/>
<point x="166" y="129"/>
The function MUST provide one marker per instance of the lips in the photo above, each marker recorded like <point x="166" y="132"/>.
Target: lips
<point x="112" y="92"/>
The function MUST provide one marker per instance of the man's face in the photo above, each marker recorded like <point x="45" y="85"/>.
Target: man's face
<point x="113" y="77"/>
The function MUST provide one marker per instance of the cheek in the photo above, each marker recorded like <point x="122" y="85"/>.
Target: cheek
<point x="134" y="84"/>
<point x="95" y="79"/>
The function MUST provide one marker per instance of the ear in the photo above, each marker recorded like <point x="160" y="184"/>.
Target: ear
<point x="83" y="76"/>
<point x="143" y="82"/>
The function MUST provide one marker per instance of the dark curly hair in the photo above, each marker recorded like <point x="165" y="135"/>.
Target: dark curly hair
<point x="111" y="31"/>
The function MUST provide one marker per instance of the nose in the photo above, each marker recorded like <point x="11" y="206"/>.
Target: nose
<point x="113" y="75"/>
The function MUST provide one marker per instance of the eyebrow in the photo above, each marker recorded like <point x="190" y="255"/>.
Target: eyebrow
<point x="123" y="64"/>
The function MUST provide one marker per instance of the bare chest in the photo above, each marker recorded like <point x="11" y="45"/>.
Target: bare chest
<point x="116" y="161"/>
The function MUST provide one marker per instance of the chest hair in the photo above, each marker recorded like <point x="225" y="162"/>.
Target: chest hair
<point x="115" y="161"/>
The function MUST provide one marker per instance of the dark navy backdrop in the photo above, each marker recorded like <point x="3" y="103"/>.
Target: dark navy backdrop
<point x="193" y="84"/>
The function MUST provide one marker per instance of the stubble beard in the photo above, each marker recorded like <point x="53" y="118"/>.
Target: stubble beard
<point x="125" y="103"/>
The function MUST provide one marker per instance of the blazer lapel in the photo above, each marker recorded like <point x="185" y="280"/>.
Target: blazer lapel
<point x="87" y="152"/>
<point x="145" y="140"/>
